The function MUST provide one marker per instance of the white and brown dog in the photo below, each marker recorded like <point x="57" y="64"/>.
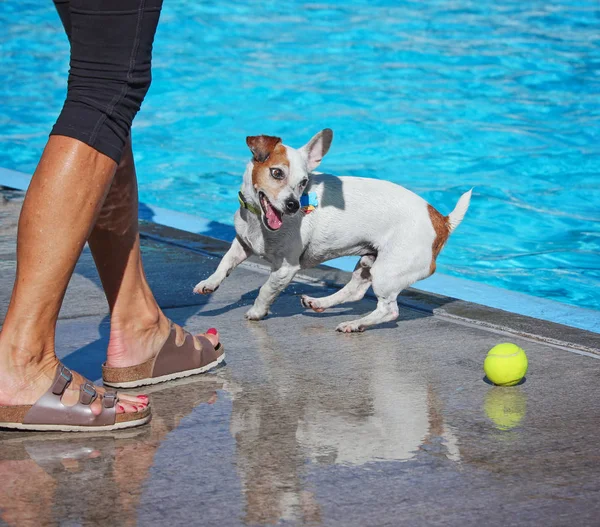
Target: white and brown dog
<point x="397" y="234"/>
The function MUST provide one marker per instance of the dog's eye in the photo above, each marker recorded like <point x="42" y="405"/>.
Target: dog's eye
<point x="304" y="182"/>
<point x="277" y="173"/>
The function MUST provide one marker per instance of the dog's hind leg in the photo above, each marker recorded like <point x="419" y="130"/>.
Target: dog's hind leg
<point x="353" y="291"/>
<point x="388" y="280"/>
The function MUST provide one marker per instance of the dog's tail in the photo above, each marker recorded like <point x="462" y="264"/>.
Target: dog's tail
<point x="457" y="215"/>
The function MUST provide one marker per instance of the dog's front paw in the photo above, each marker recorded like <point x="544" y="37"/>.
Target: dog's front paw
<point x="350" y="327"/>
<point x="311" y="303"/>
<point x="255" y="314"/>
<point x="205" y="287"/>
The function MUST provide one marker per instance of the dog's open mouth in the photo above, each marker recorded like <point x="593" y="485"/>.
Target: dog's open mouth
<point x="272" y="216"/>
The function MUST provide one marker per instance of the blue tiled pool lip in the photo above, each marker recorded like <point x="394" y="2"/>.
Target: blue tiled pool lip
<point x="440" y="284"/>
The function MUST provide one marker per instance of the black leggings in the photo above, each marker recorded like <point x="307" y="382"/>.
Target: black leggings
<point x="110" y="69"/>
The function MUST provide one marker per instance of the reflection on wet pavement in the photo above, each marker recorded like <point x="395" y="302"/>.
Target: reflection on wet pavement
<point x="296" y="420"/>
<point x="505" y="407"/>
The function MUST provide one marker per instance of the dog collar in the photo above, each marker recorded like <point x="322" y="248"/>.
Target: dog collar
<point x="308" y="203"/>
<point x="245" y="205"/>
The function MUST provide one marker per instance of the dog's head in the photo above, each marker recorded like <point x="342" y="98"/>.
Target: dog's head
<point x="280" y="173"/>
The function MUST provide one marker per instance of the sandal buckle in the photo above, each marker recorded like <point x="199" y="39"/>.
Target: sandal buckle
<point x="109" y="399"/>
<point x="63" y="380"/>
<point x="89" y="389"/>
<point x="88" y="393"/>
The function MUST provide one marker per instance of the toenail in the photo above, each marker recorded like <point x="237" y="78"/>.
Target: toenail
<point x="212" y="331"/>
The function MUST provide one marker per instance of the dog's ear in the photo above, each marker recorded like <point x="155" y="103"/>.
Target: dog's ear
<point x="261" y="146"/>
<point x="317" y="147"/>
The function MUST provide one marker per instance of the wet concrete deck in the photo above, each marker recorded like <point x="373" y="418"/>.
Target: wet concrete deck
<point x="394" y="426"/>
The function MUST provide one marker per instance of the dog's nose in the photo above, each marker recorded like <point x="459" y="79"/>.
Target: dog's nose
<point x="291" y="205"/>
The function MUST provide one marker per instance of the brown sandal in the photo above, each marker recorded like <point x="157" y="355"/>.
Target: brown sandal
<point x="49" y="412"/>
<point x="173" y="361"/>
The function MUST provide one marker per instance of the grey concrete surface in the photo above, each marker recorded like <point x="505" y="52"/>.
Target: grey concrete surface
<point x="305" y="426"/>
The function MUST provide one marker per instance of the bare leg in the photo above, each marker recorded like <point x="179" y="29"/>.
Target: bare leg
<point x="61" y="205"/>
<point x="138" y="326"/>
<point x="236" y="254"/>
<point x="353" y="291"/>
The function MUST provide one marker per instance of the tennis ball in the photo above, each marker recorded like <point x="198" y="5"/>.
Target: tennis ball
<point x="506" y="408"/>
<point x="505" y="364"/>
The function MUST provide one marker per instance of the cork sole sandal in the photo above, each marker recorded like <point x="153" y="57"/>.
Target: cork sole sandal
<point x="173" y="361"/>
<point x="50" y="414"/>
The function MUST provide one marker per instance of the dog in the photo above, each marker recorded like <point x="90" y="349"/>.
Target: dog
<point x="397" y="234"/>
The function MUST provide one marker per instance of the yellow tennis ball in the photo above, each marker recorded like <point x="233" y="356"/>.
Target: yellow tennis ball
<point x="505" y="364"/>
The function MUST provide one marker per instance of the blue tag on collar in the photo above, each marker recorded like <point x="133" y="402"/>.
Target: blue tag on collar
<point x="310" y="199"/>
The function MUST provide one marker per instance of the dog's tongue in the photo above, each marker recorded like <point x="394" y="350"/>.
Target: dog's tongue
<point x="273" y="216"/>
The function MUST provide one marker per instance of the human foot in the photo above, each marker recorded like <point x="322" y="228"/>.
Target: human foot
<point x="133" y="342"/>
<point x="179" y="354"/>
<point x="62" y="407"/>
<point x="23" y="383"/>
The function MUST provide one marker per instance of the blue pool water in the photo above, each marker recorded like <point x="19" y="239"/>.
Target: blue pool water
<point x="437" y="96"/>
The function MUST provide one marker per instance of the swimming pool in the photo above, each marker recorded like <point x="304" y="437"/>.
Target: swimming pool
<point x="437" y="96"/>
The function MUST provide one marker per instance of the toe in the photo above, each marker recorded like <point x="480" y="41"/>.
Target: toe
<point x="121" y="406"/>
<point x="134" y="399"/>
<point x="97" y="406"/>
<point x="128" y="407"/>
<point x="213" y="336"/>
<point x="125" y="404"/>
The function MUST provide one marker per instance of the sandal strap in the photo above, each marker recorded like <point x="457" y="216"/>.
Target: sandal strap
<point x="87" y="393"/>
<point x="173" y="358"/>
<point x="109" y="398"/>
<point x="62" y="380"/>
<point x="50" y="410"/>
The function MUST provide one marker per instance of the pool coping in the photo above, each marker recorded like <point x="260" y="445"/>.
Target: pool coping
<point x="175" y="228"/>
